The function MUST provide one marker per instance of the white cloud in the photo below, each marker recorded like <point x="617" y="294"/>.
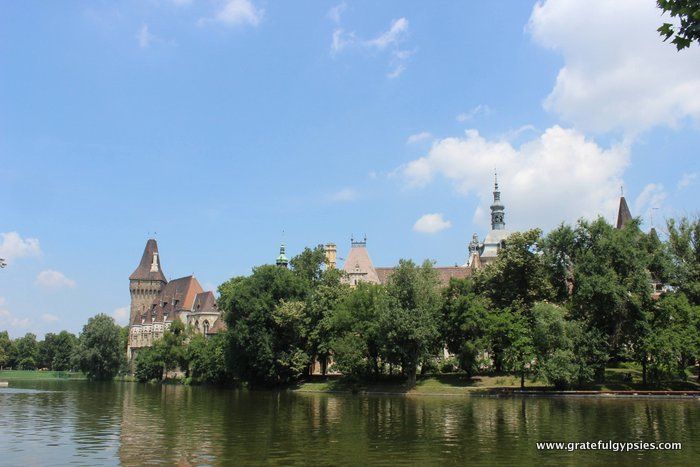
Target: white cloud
<point x="236" y="13"/>
<point x="558" y="176"/>
<point x="7" y="319"/>
<point x="396" y="33"/>
<point x="341" y="40"/>
<point x="13" y="246"/>
<point x="336" y="12"/>
<point x="49" y="318"/>
<point x="144" y="37"/>
<point x="418" y="137"/>
<point x="617" y="75"/>
<point x="344" y="195"/>
<point x="431" y="223"/>
<point x="480" y="109"/>
<point x="651" y="198"/>
<point x="53" y="279"/>
<point x="121" y="315"/>
<point x="686" y="180"/>
<point x="389" y="40"/>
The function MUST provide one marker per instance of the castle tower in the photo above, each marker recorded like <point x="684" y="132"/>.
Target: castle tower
<point x="146" y="282"/>
<point x="623" y="213"/>
<point x="282" y="260"/>
<point x="497" y="208"/>
<point x="331" y="255"/>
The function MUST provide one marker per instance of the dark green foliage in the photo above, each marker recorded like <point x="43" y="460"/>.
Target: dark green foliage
<point x="27" y="352"/>
<point x="207" y="359"/>
<point x="519" y="277"/>
<point x="149" y="364"/>
<point x="99" y="352"/>
<point x="611" y="281"/>
<point x="56" y="350"/>
<point x="7" y="350"/>
<point x="360" y="340"/>
<point x="684" y="249"/>
<point x="688" y="29"/>
<point x="412" y="327"/>
<point x="265" y="340"/>
<point x="674" y="340"/>
<point x="465" y="319"/>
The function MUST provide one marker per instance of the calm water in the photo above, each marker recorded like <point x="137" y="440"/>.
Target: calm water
<point x="56" y="423"/>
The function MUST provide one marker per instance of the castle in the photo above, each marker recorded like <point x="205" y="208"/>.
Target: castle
<point x="156" y="303"/>
<point x="358" y="266"/>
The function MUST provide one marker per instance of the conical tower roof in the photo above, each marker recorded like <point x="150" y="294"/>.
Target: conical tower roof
<point x="623" y="213"/>
<point x="358" y="264"/>
<point x="149" y="268"/>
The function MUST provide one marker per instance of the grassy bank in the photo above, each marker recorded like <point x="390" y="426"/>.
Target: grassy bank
<point x="616" y="379"/>
<point x="7" y="375"/>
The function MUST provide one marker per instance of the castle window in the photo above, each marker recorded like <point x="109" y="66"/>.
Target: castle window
<point x="206" y="327"/>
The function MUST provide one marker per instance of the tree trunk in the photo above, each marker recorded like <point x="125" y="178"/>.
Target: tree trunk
<point x="644" y="370"/>
<point x="412" y="375"/>
<point x="522" y="380"/>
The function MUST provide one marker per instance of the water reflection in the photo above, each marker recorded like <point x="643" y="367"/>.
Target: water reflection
<point x="133" y="424"/>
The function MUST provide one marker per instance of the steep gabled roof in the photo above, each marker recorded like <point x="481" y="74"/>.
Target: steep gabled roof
<point x="149" y="268"/>
<point x="178" y="294"/>
<point x="358" y="263"/>
<point x="444" y="273"/>
<point x="205" y="302"/>
<point x="623" y="213"/>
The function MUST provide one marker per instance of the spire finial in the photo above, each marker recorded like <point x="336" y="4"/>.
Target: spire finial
<point x="495" y="178"/>
<point x="622" y="191"/>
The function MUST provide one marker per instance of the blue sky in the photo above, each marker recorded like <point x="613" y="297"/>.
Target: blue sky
<point x="219" y="124"/>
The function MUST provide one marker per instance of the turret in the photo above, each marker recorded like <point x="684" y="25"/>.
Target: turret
<point x="331" y="255"/>
<point x="623" y="213"/>
<point x="146" y="282"/>
<point x="282" y="260"/>
<point x="497" y="208"/>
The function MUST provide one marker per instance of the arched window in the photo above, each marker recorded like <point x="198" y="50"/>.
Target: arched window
<point x="196" y="325"/>
<point x="206" y="326"/>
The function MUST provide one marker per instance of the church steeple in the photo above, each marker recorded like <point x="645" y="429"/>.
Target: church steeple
<point x="623" y="212"/>
<point x="282" y="260"/>
<point x="497" y="208"/>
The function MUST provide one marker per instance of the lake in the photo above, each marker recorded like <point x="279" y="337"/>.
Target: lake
<point x="77" y="422"/>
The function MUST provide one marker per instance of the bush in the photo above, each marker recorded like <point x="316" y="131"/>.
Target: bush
<point x="149" y="365"/>
<point x="448" y="365"/>
<point x="560" y="370"/>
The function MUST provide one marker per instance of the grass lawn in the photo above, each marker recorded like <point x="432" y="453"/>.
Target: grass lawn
<point x="616" y="379"/>
<point x="6" y="375"/>
<point x="434" y="384"/>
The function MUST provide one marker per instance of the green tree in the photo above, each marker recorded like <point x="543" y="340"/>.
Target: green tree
<point x="519" y="353"/>
<point x="688" y="29"/>
<point x="611" y="282"/>
<point x="7" y="350"/>
<point x="321" y="302"/>
<point x="519" y="276"/>
<point x="65" y="344"/>
<point x="355" y="324"/>
<point x="411" y="325"/>
<point x="27" y="352"/>
<point x="684" y="248"/>
<point x="149" y="364"/>
<point x="98" y="353"/>
<point x="673" y="341"/>
<point x="465" y="317"/>
<point x="260" y="349"/>
<point x="207" y="359"/>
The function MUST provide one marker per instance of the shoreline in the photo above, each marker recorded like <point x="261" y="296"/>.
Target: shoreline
<point x="506" y="392"/>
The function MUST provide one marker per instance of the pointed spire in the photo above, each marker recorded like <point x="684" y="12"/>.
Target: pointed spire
<point x="149" y="268"/>
<point x="282" y="260"/>
<point x="497" y="208"/>
<point x="623" y="213"/>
